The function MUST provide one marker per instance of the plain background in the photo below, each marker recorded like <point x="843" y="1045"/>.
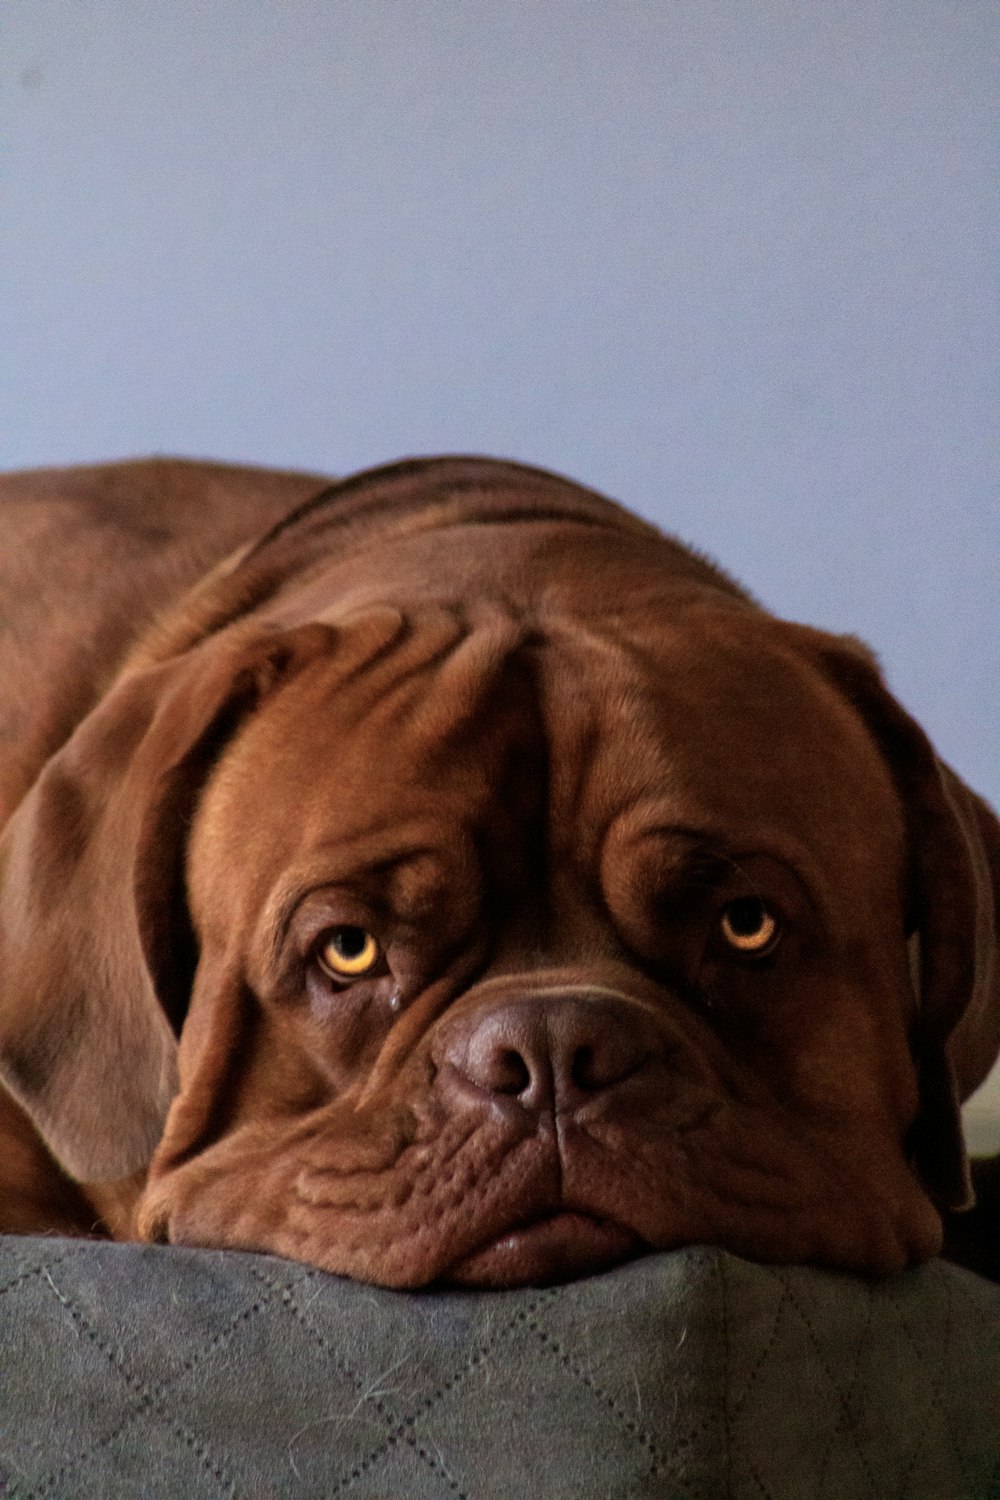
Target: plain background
<point x="730" y="261"/>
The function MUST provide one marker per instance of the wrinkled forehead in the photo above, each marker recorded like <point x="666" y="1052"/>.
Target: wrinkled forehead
<point x="440" y="723"/>
<point x="724" y="716"/>
<point x="419" y="724"/>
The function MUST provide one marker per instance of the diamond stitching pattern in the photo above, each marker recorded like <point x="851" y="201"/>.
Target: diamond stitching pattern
<point x="130" y="1371"/>
<point x="846" y="1425"/>
<point x="844" y="1428"/>
<point x="27" y="1271"/>
<point x="935" y="1394"/>
<point x="400" y="1425"/>
<point x="909" y="1440"/>
<point x="551" y="1346"/>
<point x="148" y="1403"/>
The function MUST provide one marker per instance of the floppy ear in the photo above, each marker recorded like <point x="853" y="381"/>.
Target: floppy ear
<point x="954" y="896"/>
<point x="95" y="950"/>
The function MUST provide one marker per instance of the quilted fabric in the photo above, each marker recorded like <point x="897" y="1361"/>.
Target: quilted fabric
<point x="134" y="1371"/>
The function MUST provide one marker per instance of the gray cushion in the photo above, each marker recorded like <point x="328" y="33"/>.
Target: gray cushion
<point x="139" y="1371"/>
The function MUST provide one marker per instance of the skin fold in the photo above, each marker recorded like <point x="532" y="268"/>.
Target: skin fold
<point x="661" y="923"/>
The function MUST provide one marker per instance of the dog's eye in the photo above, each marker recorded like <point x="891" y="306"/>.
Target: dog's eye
<point x="349" y="953"/>
<point x="748" y="926"/>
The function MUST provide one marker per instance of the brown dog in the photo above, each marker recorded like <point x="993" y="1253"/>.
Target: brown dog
<point x="463" y="882"/>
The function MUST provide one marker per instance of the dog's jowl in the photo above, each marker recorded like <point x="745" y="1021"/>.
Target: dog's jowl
<point x="440" y="876"/>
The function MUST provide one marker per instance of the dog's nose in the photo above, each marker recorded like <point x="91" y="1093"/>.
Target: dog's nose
<point x="543" y="1053"/>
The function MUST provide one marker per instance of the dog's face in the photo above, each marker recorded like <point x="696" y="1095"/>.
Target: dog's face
<point x="535" y="926"/>
<point x="527" y="944"/>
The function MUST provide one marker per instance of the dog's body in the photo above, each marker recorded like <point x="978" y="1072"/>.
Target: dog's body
<point x="521" y="894"/>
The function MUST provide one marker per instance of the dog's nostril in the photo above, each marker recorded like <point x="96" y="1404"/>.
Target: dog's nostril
<point x="582" y="1069"/>
<point x="541" y="1053"/>
<point x="511" y="1074"/>
<point x="592" y="1068"/>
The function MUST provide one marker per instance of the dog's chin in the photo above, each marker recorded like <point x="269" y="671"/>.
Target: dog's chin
<point x="558" y="1247"/>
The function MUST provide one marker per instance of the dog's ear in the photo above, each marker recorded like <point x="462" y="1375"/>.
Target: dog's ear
<point x="95" y="949"/>
<point x="954" y="921"/>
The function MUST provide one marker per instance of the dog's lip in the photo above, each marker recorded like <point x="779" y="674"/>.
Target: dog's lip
<point x="555" y="1247"/>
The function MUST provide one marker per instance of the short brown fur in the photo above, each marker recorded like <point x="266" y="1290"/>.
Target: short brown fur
<point x="543" y="754"/>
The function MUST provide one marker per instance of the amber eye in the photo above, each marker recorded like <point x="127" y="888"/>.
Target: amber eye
<point x="748" y="926"/>
<point x="349" y="953"/>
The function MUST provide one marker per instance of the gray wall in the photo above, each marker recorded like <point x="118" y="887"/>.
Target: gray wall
<point x="728" y="260"/>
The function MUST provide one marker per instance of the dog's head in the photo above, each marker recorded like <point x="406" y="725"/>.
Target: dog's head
<point x="521" y="901"/>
